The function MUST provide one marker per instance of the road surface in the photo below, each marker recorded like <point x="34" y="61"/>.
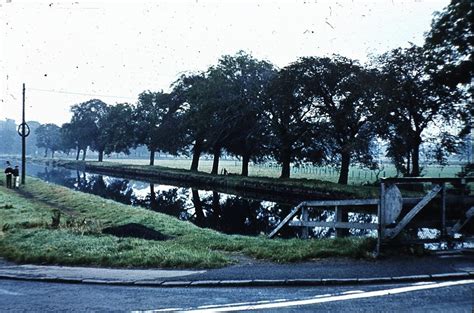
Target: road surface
<point x="447" y="296"/>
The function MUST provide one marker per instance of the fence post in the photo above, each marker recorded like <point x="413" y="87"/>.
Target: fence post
<point x="380" y="209"/>
<point x="443" y="210"/>
<point x="304" y="218"/>
<point x="338" y="219"/>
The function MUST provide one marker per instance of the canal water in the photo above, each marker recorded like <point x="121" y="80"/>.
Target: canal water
<point x="225" y="212"/>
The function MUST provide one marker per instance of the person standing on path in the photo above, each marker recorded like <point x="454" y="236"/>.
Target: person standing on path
<point x="9" y="174"/>
<point x="16" y="180"/>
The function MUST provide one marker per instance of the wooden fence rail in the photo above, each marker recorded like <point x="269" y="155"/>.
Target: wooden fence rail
<point x="389" y="207"/>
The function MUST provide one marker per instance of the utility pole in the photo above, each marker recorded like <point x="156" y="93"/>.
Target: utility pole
<point x="23" y="141"/>
<point x="23" y="131"/>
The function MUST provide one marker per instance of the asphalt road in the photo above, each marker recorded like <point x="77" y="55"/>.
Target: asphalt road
<point x="449" y="296"/>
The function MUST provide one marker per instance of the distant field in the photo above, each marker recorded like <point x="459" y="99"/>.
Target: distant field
<point x="357" y="175"/>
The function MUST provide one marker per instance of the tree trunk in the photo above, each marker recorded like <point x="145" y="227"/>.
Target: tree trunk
<point x="101" y="155"/>
<point x="408" y="170"/>
<point x="84" y="154"/>
<point x="343" y="215"/>
<point x="78" y="153"/>
<point x="216" y="206"/>
<point x="153" y="203"/>
<point x="198" y="208"/>
<point x="216" y="211"/>
<point x="285" y="162"/>
<point x="152" y="156"/>
<point x="245" y="165"/>
<point x="345" y="163"/>
<point x="45" y="152"/>
<point x="215" y="161"/>
<point x="52" y="154"/>
<point x="415" y="170"/>
<point x="196" y="154"/>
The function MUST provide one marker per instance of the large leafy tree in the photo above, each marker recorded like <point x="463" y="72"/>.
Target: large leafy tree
<point x="155" y="119"/>
<point x="221" y="113"/>
<point x="414" y="101"/>
<point x="223" y="109"/>
<point x="85" y="126"/>
<point x="449" y="44"/>
<point x="290" y="115"/>
<point x="245" y="80"/>
<point x="117" y="129"/>
<point x="68" y="140"/>
<point x="343" y="94"/>
<point x="48" y="136"/>
<point x="196" y="95"/>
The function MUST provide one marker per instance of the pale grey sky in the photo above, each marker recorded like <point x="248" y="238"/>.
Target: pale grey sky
<point x="69" y="52"/>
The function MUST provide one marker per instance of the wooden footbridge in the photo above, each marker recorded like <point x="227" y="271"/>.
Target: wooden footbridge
<point x="445" y="206"/>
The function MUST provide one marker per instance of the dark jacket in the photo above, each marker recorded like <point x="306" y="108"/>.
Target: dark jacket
<point x="8" y="170"/>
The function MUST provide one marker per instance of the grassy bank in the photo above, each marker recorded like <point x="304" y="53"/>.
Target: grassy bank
<point x="306" y="188"/>
<point x="27" y="235"/>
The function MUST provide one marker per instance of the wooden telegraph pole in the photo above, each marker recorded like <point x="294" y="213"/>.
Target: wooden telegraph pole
<point x="23" y="131"/>
<point x="23" y="141"/>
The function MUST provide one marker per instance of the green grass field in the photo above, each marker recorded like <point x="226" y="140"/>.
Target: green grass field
<point x="357" y="175"/>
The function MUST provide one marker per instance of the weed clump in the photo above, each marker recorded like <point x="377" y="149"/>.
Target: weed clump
<point x="56" y="219"/>
<point x="84" y="226"/>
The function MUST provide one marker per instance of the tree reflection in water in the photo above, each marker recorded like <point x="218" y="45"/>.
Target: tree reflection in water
<point x="171" y="202"/>
<point x="232" y="214"/>
<point x="110" y="188"/>
<point x="56" y="175"/>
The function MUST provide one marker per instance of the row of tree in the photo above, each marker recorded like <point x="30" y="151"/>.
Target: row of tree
<point x="317" y="109"/>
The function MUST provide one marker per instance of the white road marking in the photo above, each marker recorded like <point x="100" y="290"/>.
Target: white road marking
<point x="214" y="306"/>
<point x="9" y="293"/>
<point x="321" y="299"/>
<point x="352" y="291"/>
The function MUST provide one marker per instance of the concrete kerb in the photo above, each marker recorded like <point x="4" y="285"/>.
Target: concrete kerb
<point x="445" y="276"/>
<point x="206" y="283"/>
<point x="247" y="283"/>
<point x="149" y="283"/>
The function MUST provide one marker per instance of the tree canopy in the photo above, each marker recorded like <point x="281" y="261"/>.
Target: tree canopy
<point x="49" y="138"/>
<point x="449" y="43"/>
<point x="323" y="110"/>
<point x="154" y="121"/>
<point x="413" y="101"/>
<point x="243" y="131"/>
<point x="85" y="126"/>
<point x="343" y="95"/>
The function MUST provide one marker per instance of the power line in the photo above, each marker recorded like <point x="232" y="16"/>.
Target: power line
<point x="79" y="93"/>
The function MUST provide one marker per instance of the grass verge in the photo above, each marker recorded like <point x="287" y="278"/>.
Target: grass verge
<point x="26" y="235"/>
